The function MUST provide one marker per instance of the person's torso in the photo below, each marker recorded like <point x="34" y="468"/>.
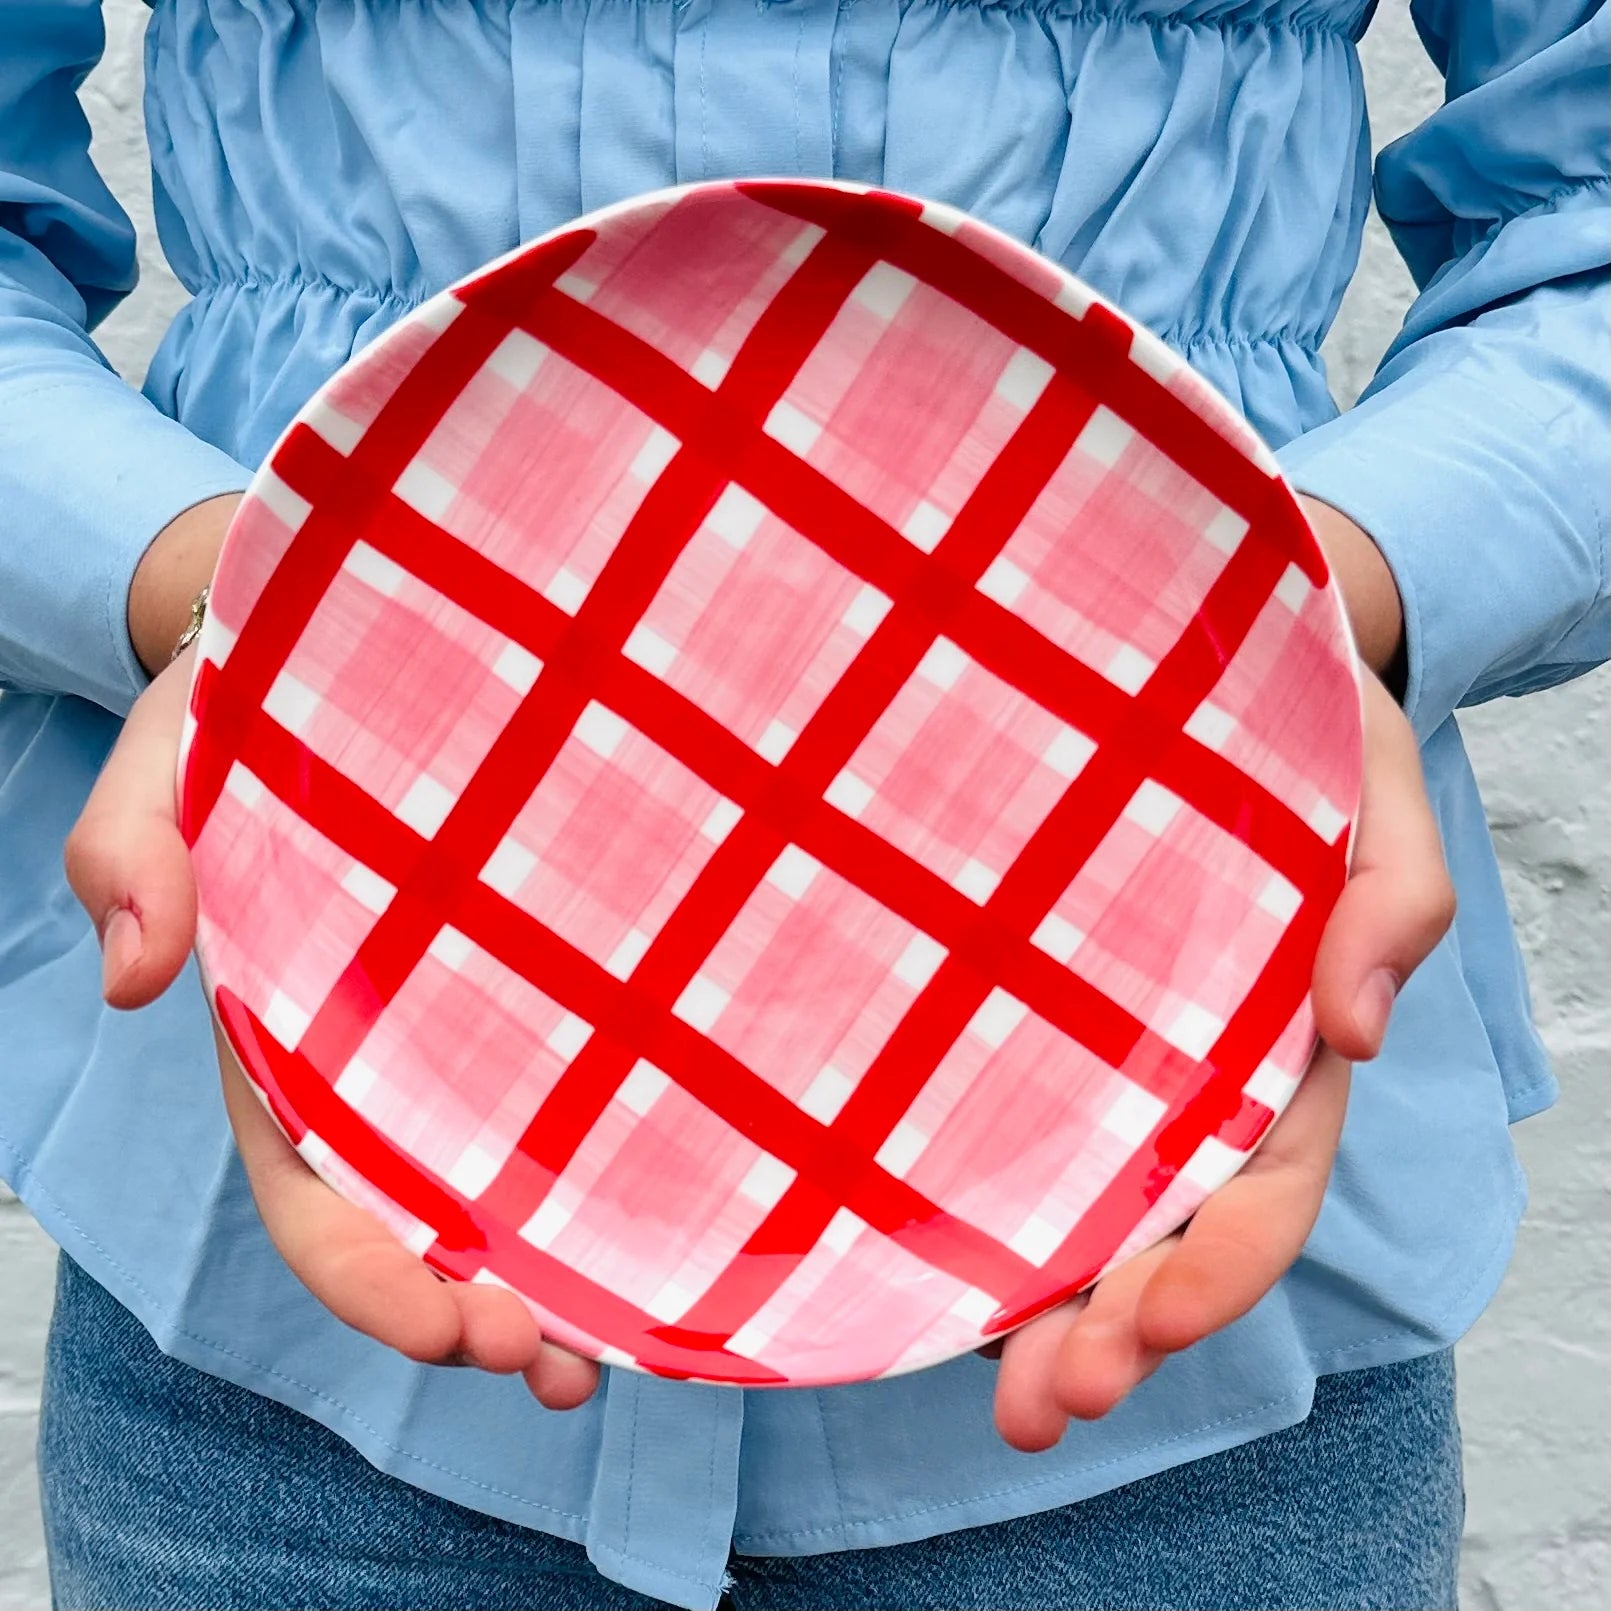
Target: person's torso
<point x="321" y="167"/>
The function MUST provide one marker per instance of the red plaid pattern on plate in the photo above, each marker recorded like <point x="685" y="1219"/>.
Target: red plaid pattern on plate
<point x="767" y="772"/>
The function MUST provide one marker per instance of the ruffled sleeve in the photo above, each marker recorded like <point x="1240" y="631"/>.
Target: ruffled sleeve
<point x="1478" y="457"/>
<point x="90" y="471"/>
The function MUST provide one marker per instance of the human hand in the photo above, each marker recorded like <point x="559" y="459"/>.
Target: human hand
<point x="129" y="866"/>
<point x="1082" y="1358"/>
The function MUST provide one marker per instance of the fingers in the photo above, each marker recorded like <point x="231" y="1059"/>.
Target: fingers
<point x="1077" y="1360"/>
<point x="126" y="860"/>
<point x="1399" y="901"/>
<point x="1081" y="1359"/>
<point x="342" y="1255"/>
<point x="357" y="1269"/>
<point x="1028" y="1415"/>
<point x="1105" y="1355"/>
<point x="1246" y="1236"/>
<point x="560" y="1379"/>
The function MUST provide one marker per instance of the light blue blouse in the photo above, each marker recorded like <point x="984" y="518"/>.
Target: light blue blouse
<point x="323" y="167"/>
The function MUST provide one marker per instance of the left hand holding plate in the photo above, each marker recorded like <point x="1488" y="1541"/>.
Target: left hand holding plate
<point x="1080" y="1359"/>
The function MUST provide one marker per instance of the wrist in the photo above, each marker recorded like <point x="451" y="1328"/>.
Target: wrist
<point x="173" y="570"/>
<point x="1369" y="592"/>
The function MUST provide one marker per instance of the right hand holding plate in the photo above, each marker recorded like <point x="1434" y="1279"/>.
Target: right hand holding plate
<point x="128" y="864"/>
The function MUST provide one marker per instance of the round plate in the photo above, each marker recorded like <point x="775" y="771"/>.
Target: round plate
<point x="767" y="773"/>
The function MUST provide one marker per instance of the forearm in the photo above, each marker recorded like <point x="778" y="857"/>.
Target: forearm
<point x="172" y="571"/>
<point x="1370" y="595"/>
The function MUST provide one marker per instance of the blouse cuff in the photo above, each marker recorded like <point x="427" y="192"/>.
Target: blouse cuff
<point x="91" y="473"/>
<point x="1486" y="497"/>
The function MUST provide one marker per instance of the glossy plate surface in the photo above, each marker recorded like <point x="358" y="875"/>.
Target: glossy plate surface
<point x="767" y="773"/>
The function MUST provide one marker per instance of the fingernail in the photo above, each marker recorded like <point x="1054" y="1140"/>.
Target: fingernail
<point x="1374" y="1005"/>
<point x="120" y="947"/>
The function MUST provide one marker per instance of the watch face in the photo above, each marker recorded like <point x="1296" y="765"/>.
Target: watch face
<point x="767" y="772"/>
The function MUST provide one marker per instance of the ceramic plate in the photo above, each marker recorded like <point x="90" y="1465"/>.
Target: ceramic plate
<point x="767" y="772"/>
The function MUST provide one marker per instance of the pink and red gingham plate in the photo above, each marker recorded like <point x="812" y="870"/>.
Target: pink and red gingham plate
<point x="767" y="772"/>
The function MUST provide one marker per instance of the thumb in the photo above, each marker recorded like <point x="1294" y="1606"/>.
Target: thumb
<point x="126" y="860"/>
<point x="1398" y="902"/>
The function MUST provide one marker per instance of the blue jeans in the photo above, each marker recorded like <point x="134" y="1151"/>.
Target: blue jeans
<point x="167" y="1488"/>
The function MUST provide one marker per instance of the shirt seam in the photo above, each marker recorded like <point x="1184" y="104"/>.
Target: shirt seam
<point x="659" y="1568"/>
<point x="1064" y="11"/>
<point x="1548" y="202"/>
<point x="1548" y="1082"/>
<point x="833" y="1463"/>
<point x="794" y="90"/>
<point x="1188" y="336"/>
<point x="304" y="280"/>
<point x="1180" y="335"/>
<point x="632" y="1467"/>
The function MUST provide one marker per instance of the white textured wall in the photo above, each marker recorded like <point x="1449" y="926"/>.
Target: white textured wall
<point x="1533" y="1373"/>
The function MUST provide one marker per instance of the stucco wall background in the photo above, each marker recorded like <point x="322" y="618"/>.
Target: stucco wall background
<point x="1533" y="1373"/>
